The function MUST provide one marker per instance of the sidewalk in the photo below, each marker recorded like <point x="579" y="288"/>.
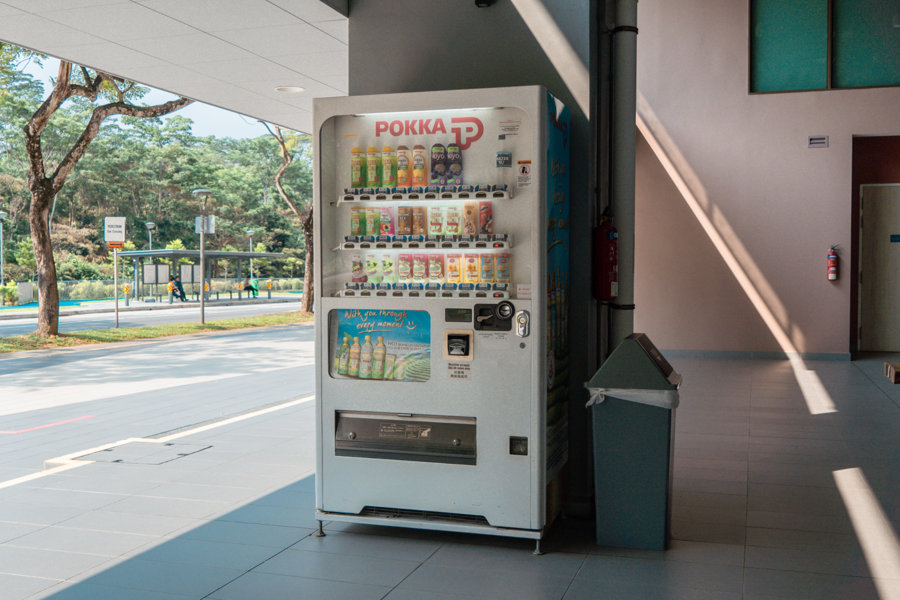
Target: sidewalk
<point x="94" y="307"/>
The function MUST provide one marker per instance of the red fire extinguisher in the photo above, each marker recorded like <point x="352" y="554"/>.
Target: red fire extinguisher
<point x="606" y="260"/>
<point x="832" y="264"/>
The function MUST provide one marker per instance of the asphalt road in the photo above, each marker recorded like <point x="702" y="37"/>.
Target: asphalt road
<point x="143" y="318"/>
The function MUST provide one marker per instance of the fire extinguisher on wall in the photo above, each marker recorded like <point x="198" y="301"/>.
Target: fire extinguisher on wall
<point x="606" y="260"/>
<point x="832" y="264"/>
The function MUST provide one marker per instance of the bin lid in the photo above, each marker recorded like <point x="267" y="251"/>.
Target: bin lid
<point x="636" y="365"/>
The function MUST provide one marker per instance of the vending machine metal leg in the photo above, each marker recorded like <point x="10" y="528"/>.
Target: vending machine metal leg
<point x="319" y="533"/>
<point x="537" y="548"/>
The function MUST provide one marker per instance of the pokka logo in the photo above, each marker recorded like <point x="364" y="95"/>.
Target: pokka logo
<point x="466" y="130"/>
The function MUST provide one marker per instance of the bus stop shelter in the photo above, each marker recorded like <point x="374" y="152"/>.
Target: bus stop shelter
<point x="147" y="258"/>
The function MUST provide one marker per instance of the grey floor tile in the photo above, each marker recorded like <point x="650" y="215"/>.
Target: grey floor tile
<point x="592" y="589"/>
<point x="271" y="515"/>
<point x="279" y="587"/>
<point x="102" y="484"/>
<point x="187" y="491"/>
<point x="12" y="531"/>
<point x="286" y="499"/>
<point x="339" y="567"/>
<point x="14" y="512"/>
<point x="506" y="559"/>
<point x="87" y="591"/>
<point x="685" y="551"/>
<point x="802" y="540"/>
<point x="251" y="534"/>
<point x="16" y="587"/>
<point x="207" y="554"/>
<point x="721" y="578"/>
<point x="154" y="525"/>
<point x="809" y="561"/>
<point x="165" y="507"/>
<point x="104" y="543"/>
<point x="167" y="578"/>
<point x="353" y="544"/>
<point x="49" y="564"/>
<point x="401" y="594"/>
<point x="503" y="585"/>
<point x="787" y="584"/>
<point x="715" y="533"/>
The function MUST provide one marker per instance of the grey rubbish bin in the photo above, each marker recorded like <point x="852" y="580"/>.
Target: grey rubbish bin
<point x="633" y="401"/>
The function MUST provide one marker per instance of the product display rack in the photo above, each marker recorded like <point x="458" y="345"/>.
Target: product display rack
<point x="426" y="195"/>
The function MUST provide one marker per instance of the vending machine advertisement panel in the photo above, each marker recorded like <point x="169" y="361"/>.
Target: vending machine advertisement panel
<point x="442" y="273"/>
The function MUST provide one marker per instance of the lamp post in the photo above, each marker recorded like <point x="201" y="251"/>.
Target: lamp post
<point x="250" y="233"/>
<point x="202" y="194"/>
<point x="150" y="227"/>
<point x="2" y="216"/>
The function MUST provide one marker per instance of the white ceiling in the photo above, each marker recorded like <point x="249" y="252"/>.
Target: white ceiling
<point x="228" y="53"/>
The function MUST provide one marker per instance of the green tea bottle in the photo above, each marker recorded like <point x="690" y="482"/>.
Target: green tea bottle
<point x="357" y="168"/>
<point x="378" y="359"/>
<point x="353" y="369"/>
<point x="373" y="168"/>
<point x="344" y="356"/>
<point x="388" y="167"/>
<point x="365" y="359"/>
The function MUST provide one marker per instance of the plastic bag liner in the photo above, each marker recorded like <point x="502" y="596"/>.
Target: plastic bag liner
<point x="661" y="398"/>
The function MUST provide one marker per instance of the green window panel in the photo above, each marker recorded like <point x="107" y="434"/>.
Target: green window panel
<point x="789" y="45"/>
<point x="866" y="43"/>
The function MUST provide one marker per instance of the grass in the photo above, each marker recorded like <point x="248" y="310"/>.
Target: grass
<point x="105" y="336"/>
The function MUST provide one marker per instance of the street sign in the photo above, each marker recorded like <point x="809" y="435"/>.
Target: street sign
<point x="204" y="224"/>
<point x="114" y="230"/>
<point x="116" y="244"/>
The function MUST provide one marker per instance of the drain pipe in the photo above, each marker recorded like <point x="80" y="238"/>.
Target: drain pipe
<point x="624" y="92"/>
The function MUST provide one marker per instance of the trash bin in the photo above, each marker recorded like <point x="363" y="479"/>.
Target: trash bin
<point x="633" y="400"/>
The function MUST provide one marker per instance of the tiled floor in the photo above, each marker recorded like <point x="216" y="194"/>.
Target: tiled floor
<point x="758" y="513"/>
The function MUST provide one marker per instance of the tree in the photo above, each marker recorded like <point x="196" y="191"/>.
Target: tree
<point x="305" y="215"/>
<point x="44" y="183"/>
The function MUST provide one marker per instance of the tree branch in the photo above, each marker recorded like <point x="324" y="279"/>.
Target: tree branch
<point x="286" y="159"/>
<point x="37" y="122"/>
<point x="93" y="128"/>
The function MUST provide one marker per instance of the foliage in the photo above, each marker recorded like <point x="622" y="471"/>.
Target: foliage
<point x="24" y="254"/>
<point x="144" y="170"/>
<point x="9" y="293"/>
<point x="75" y="267"/>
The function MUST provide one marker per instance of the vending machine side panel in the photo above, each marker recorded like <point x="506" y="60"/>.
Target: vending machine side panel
<point x="556" y="173"/>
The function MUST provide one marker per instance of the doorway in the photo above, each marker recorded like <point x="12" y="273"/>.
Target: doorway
<point x="879" y="268"/>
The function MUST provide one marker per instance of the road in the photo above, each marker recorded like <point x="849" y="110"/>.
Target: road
<point x="55" y="403"/>
<point x="142" y="318"/>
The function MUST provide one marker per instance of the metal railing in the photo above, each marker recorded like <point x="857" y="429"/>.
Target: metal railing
<point x="101" y="289"/>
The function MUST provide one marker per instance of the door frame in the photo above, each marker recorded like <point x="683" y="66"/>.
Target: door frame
<point x="859" y="258"/>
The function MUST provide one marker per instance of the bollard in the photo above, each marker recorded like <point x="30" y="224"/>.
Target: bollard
<point x="171" y="297"/>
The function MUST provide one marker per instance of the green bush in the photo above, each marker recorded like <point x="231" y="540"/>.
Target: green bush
<point x="10" y="293"/>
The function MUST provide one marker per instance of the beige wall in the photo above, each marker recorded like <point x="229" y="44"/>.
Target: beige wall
<point x="777" y="205"/>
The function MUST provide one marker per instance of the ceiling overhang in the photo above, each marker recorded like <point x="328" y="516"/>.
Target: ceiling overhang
<point x="227" y="53"/>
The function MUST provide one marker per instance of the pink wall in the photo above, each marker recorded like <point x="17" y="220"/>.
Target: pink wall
<point x="778" y="204"/>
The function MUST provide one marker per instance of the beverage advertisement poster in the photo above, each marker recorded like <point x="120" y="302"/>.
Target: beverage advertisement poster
<point x="381" y="344"/>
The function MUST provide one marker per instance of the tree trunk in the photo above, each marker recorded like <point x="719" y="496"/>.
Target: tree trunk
<point x="306" y="223"/>
<point x="45" y="266"/>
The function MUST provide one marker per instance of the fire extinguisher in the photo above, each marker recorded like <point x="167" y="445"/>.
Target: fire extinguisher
<point x="606" y="260"/>
<point x="832" y="264"/>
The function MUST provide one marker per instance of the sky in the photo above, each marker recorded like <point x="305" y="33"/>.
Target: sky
<point x="208" y="120"/>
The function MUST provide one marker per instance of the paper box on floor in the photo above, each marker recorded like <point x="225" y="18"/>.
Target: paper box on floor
<point x="892" y="371"/>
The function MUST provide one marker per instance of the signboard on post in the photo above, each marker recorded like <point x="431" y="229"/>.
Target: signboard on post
<point x="204" y="224"/>
<point x="114" y="231"/>
<point x="191" y="274"/>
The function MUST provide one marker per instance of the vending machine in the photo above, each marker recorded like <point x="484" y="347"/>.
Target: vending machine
<point x="442" y="274"/>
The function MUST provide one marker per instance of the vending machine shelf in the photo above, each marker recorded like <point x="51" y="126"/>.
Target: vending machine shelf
<point x="401" y="242"/>
<point x="430" y="291"/>
<point x="374" y="196"/>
